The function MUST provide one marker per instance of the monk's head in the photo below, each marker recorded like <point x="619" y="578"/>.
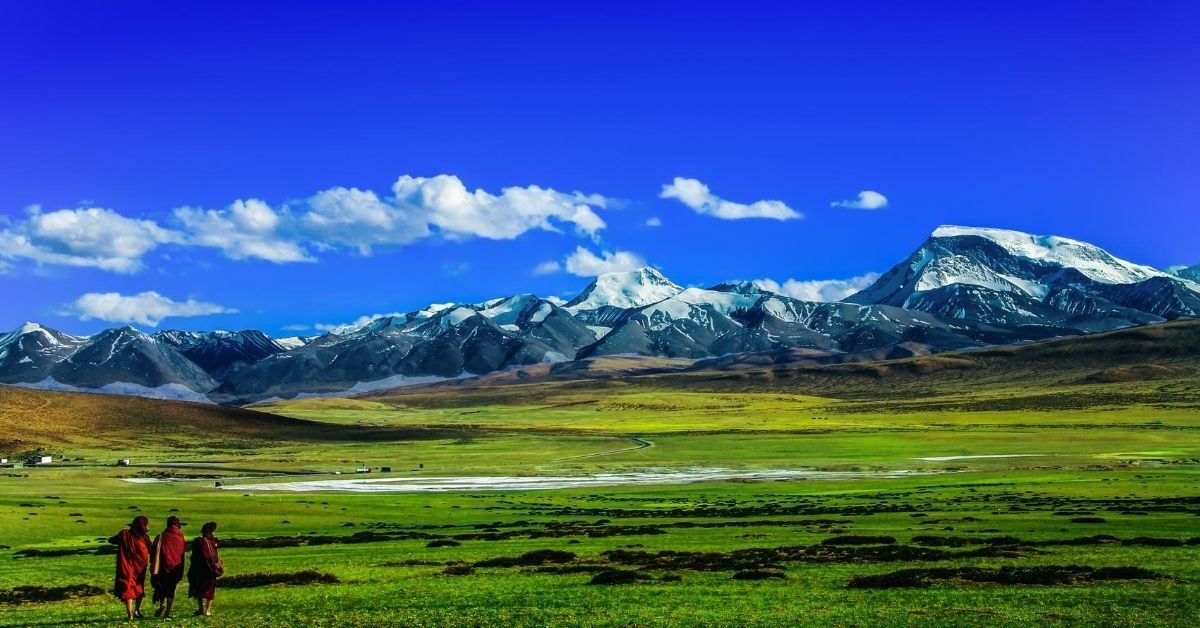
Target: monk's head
<point x="209" y="528"/>
<point x="172" y="521"/>
<point x="140" y="524"/>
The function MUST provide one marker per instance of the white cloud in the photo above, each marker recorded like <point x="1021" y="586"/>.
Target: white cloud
<point x="867" y="199"/>
<point x="516" y="210"/>
<point x="361" y="219"/>
<point x="822" y="290"/>
<point x="146" y="308"/>
<point x="547" y="268"/>
<point x="91" y="237"/>
<point x="584" y="263"/>
<point x="696" y="195"/>
<point x="246" y="229"/>
<point x="654" y="221"/>
<point x="297" y="327"/>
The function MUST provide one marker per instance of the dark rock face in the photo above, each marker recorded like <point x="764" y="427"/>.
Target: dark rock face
<point x="126" y="355"/>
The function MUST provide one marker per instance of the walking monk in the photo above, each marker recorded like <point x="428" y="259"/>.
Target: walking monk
<point x="133" y="553"/>
<point x="166" y="565"/>
<point x="206" y="567"/>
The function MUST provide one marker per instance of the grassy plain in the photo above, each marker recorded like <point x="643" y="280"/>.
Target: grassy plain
<point x="1110" y="478"/>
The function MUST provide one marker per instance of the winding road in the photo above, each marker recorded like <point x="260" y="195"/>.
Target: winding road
<point x="639" y="443"/>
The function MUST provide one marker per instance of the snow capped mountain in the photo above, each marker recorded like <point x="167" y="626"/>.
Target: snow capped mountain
<point x="219" y="351"/>
<point x="128" y="356"/>
<point x="1011" y="278"/>
<point x="624" y="290"/>
<point x="964" y="287"/>
<point x="1090" y="260"/>
<point x="28" y="353"/>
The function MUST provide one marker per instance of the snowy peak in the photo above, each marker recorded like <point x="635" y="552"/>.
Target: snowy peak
<point x="1092" y="261"/>
<point x="741" y="287"/>
<point x="1005" y="277"/>
<point x="625" y="290"/>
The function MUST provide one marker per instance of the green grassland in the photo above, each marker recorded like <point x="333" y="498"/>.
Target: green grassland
<point x="1110" y="427"/>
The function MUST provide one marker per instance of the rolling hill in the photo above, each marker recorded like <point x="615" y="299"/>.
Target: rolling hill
<point x="31" y="418"/>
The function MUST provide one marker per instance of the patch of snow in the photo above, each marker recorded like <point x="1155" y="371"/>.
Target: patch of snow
<point x="24" y="360"/>
<point x="506" y="311"/>
<point x="458" y="315"/>
<point x="599" y="330"/>
<point x="542" y="312"/>
<point x="291" y="342"/>
<point x="554" y="357"/>
<point x="395" y="381"/>
<point x="170" y="392"/>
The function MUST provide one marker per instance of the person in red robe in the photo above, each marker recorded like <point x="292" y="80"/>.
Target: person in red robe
<point x="166" y="565"/>
<point x="133" y="554"/>
<point x="205" y="568"/>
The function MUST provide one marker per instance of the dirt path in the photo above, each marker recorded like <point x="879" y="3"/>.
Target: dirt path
<point x="639" y="443"/>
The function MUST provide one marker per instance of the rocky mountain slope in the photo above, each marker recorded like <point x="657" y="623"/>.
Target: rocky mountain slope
<point x="963" y="288"/>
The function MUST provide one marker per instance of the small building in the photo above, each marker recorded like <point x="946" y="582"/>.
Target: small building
<point x="123" y="462"/>
<point x="45" y="459"/>
<point x="385" y="469"/>
<point x="363" y="470"/>
<point x="3" y="460"/>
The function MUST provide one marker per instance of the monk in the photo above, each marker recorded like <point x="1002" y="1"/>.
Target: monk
<point x="133" y="553"/>
<point x="166" y="565"/>
<point x="206" y="567"/>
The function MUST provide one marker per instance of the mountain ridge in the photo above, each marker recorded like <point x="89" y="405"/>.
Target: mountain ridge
<point x="964" y="287"/>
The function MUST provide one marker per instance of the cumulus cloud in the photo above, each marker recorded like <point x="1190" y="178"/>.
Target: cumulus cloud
<point x="654" y="221"/>
<point x="460" y="212"/>
<point x="584" y="263"/>
<point x="90" y="237"/>
<point x="822" y="290"/>
<point x="867" y="199"/>
<point x="547" y="268"/>
<point x="697" y="196"/>
<point x="246" y="229"/>
<point x="146" y="308"/>
<point x="420" y="207"/>
<point x="336" y="218"/>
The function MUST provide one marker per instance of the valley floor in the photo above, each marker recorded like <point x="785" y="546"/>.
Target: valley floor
<point x="1068" y="506"/>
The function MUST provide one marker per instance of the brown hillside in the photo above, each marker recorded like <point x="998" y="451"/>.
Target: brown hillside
<point x="39" y="417"/>
<point x="1167" y="350"/>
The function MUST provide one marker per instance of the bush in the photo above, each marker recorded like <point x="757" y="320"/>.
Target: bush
<point x="859" y="540"/>
<point x="617" y="576"/>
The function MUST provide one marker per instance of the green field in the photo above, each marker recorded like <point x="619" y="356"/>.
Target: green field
<point x="1109" y="477"/>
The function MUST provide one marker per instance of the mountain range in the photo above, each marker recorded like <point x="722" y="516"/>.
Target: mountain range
<point x="963" y="287"/>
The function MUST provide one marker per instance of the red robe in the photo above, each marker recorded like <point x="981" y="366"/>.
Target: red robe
<point x="167" y="554"/>
<point x="133" y="554"/>
<point x="202" y="574"/>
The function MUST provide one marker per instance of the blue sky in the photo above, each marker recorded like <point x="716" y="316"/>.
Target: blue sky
<point x="129" y="130"/>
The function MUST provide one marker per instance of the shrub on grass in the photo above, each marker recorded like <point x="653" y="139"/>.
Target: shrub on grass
<point x="617" y="576"/>
<point x="250" y="580"/>
<point x="760" y="574"/>
<point x="854" y="539"/>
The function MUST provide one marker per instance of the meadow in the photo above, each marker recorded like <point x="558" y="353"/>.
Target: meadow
<point x="1090" y="518"/>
